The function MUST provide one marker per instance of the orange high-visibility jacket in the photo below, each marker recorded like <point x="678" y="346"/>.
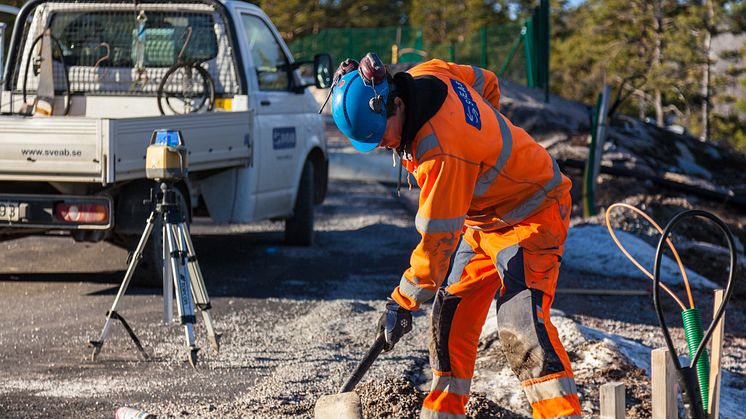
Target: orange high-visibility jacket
<point x="475" y="169"/>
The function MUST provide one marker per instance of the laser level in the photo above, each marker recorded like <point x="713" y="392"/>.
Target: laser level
<point x="166" y="161"/>
<point x="166" y="156"/>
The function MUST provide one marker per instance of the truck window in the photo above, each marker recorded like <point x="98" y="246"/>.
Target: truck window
<point x="269" y="59"/>
<point x="107" y="39"/>
<point x="104" y="52"/>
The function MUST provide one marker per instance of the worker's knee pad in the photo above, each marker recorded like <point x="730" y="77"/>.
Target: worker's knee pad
<point x="444" y="309"/>
<point x="523" y="336"/>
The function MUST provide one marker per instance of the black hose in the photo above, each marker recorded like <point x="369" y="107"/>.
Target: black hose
<point x="207" y="83"/>
<point x="64" y="66"/>
<point x="687" y="378"/>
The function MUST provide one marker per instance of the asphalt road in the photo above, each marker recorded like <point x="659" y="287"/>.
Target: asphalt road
<point x="265" y="295"/>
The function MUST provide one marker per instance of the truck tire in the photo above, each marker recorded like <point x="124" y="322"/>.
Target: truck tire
<point x="299" y="227"/>
<point x="149" y="272"/>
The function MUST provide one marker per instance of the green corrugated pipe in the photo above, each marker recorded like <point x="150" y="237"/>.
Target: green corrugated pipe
<point x="694" y="333"/>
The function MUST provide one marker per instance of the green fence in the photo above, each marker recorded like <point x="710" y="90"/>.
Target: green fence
<point x="342" y="43"/>
<point x="497" y="48"/>
<point x="489" y="47"/>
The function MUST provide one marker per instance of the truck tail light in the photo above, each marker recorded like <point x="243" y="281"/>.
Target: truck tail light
<point x="81" y="213"/>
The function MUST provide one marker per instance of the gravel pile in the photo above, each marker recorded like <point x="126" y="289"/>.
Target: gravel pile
<point x="390" y="398"/>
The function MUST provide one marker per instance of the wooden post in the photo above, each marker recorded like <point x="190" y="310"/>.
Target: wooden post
<point x="713" y="411"/>
<point x="664" y="386"/>
<point x="612" y="401"/>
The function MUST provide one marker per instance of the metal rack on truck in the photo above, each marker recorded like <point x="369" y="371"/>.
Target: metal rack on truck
<point x="87" y="82"/>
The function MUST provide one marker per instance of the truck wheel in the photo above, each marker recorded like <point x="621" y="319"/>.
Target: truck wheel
<point x="299" y="227"/>
<point x="149" y="272"/>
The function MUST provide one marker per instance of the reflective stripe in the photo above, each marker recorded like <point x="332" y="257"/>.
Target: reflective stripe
<point x="485" y="181"/>
<point x="414" y="292"/>
<point x="478" y="80"/>
<point x="426" y="144"/>
<point x="452" y="385"/>
<point x="569" y="417"/>
<point x="551" y="389"/>
<point x="431" y="414"/>
<point x="438" y="225"/>
<point x="527" y="207"/>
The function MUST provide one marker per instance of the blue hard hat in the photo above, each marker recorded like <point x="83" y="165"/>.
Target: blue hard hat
<point x="353" y="110"/>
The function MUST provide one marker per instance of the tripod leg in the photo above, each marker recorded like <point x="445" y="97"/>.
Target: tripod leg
<point x="112" y="313"/>
<point x="201" y="298"/>
<point x="185" y="304"/>
<point x="168" y="285"/>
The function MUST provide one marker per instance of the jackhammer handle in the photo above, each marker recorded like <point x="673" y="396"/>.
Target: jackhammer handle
<point x="365" y="364"/>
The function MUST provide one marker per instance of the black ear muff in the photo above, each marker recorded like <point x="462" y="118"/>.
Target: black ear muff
<point x="376" y="104"/>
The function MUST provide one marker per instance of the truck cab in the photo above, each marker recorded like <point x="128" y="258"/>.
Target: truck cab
<point x="86" y="83"/>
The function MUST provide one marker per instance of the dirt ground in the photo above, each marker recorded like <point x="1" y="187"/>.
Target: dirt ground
<point x="294" y="322"/>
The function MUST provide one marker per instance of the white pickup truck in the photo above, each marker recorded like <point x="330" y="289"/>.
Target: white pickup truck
<point x="110" y="73"/>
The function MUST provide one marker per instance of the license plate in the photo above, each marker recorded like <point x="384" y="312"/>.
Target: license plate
<point x="9" y="211"/>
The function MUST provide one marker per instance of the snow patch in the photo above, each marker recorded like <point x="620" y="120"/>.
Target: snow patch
<point x="635" y="352"/>
<point x="590" y="248"/>
<point x="49" y="386"/>
<point x="595" y="351"/>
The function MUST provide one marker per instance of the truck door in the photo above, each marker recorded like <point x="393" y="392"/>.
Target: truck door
<point x="278" y="118"/>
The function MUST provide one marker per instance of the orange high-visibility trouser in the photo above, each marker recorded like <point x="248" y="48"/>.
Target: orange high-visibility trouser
<point x="522" y="263"/>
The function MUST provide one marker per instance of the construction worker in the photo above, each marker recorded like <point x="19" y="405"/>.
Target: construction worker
<point x="493" y="214"/>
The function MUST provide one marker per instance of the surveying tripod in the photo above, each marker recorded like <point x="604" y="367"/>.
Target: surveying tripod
<point x="180" y="265"/>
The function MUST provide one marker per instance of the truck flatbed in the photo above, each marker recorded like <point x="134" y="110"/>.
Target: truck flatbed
<point x="104" y="150"/>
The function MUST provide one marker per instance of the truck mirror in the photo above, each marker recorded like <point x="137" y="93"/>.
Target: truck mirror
<point x="322" y="69"/>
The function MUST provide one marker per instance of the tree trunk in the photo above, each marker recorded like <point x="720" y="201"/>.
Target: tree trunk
<point x="657" y="61"/>
<point x="658" y="97"/>
<point x="709" y="28"/>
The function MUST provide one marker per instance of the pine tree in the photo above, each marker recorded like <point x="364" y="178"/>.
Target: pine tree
<point x="604" y="42"/>
<point x="452" y="28"/>
<point x="667" y="42"/>
<point x="365" y="13"/>
<point x="296" y="18"/>
<point x="442" y="20"/>
<point x="618" y="39"/>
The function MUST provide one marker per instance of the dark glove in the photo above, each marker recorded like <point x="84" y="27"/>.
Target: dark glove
<point x="394" y="323"/>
